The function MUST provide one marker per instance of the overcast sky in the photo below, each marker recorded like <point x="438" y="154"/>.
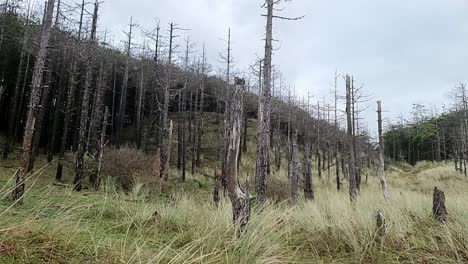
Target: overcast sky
<point x="403" y="51"/>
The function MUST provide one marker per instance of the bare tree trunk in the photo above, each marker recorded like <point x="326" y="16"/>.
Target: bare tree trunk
<point x="40" y="118"/>
<point x="167" y="126"/>
<point x="96" y="112"/>
<point x="38" y="72"/>
<point x="165" y="160"/>
<point x="308" y="182"/>
<point x="140" y="100"/>
<point x="240" y="201"/>
<point x="295" y="168"/>
<point x="123" y="94"/>
<point x="381" y="170"/>
<point x="79" y="162"/>
<point x="263" y="128"/>
<point x="351" y="162"/>
<point x="97" y="178"/>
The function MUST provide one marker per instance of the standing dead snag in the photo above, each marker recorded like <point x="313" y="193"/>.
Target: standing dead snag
<point x="295" y="168"/>
<point x="97" y="178"/>
<point x="381" y="169"/>
<point x="216" y="186"/>
<point x="439" y="211"/>
<point x="166" y="153"/>
<point x="35" y="97"/>
<point x="308" y="184"/>
<point x="240" y="200"/>
<point x="350" y="139"/>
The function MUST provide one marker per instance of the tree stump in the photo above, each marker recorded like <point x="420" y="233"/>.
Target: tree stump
<point x="380" y="228"/>
<point x="439" y="211"/>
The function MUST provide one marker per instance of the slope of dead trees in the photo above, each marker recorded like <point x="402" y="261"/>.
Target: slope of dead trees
<point x="74" y="92"/>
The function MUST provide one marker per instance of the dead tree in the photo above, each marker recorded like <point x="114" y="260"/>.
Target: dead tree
<point x="123" y="94"/>
<point x="350" y="141"/>
<point x="216" y="187"/>
<point x="294" y="168"/>
<point x="165" y="163"/>
<point x="167" y="125"/>
<point x="79" y="160"/>
<point x="381" y="169"/>
<point x="308" y="182"/>
<point x="240" y="201"/>
<point x="139" y="107"/>
<point x="96" y="112"/>
<point x="102" y="142"/>
<point x="337" y="130"/>
<point x="36" y="88"/>
<point x="228" y="59"/>
<point x="262" y="171"/>
<point x="201" y="109"/>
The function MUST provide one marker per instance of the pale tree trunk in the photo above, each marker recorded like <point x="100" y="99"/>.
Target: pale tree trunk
<point x="167" y="126"/>
<point x="165" y="160"/>
<point x="262" y="172"/>
<point x="38" y="72"/>
<point x="294" y="168"/>
<point x="308" y="182"/>
<point x="97" y="177"/>
<point x="123" y="94"/>
<point x="240" y="201"/>
<point x="96" y="111"/>
<point x="225" y="139"/>
<point x="351" y="161"/>
<point x="201" y="108"/>
<point x="81" y="149"/>
<point x="40" y="117"/>
<point x="140" y="100"/>
<point x="381" y="169"/>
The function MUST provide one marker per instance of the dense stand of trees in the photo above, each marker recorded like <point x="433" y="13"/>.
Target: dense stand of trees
<point x="75" y="93"/>
<point x="430" y="135"/>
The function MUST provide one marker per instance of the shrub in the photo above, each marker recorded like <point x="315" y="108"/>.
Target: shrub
<point x="127" y="164"/>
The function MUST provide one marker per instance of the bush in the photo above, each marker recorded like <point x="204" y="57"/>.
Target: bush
<point x="126" y="165"/>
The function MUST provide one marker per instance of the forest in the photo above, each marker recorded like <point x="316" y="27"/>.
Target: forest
<point x="151" y="153"/>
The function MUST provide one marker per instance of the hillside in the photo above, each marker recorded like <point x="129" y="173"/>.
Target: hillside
<point x="144" y="225"/>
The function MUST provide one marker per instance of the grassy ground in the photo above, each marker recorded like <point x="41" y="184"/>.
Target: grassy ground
<point x="181" y="225"/>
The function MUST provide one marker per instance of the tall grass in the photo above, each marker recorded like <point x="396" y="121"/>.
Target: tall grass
<point x="56" y="225"/>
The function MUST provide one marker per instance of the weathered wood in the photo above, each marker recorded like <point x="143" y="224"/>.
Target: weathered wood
<point x="83" y="128"/>
<point x="216" y="186"/>
<point x="262" y="172"/>
<point x="381" y="169"/>
<point x="439" y="211"/>
<point x="350" y="139"/>
<point x="166" y="153"/>
<point x="240" y="201"/>
<point x="308" y="182"/>
<point x="97" y="178"/>
<point x="295" y="168"/>
<point x="35" y="96"/>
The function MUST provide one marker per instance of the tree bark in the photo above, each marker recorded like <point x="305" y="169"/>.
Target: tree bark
<point x="240" y="201"/>
<point x="263" y="128"/>
<point x="36" y="88"/>
<point x="350" y="139"/>
<point x="381" y="169"/>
